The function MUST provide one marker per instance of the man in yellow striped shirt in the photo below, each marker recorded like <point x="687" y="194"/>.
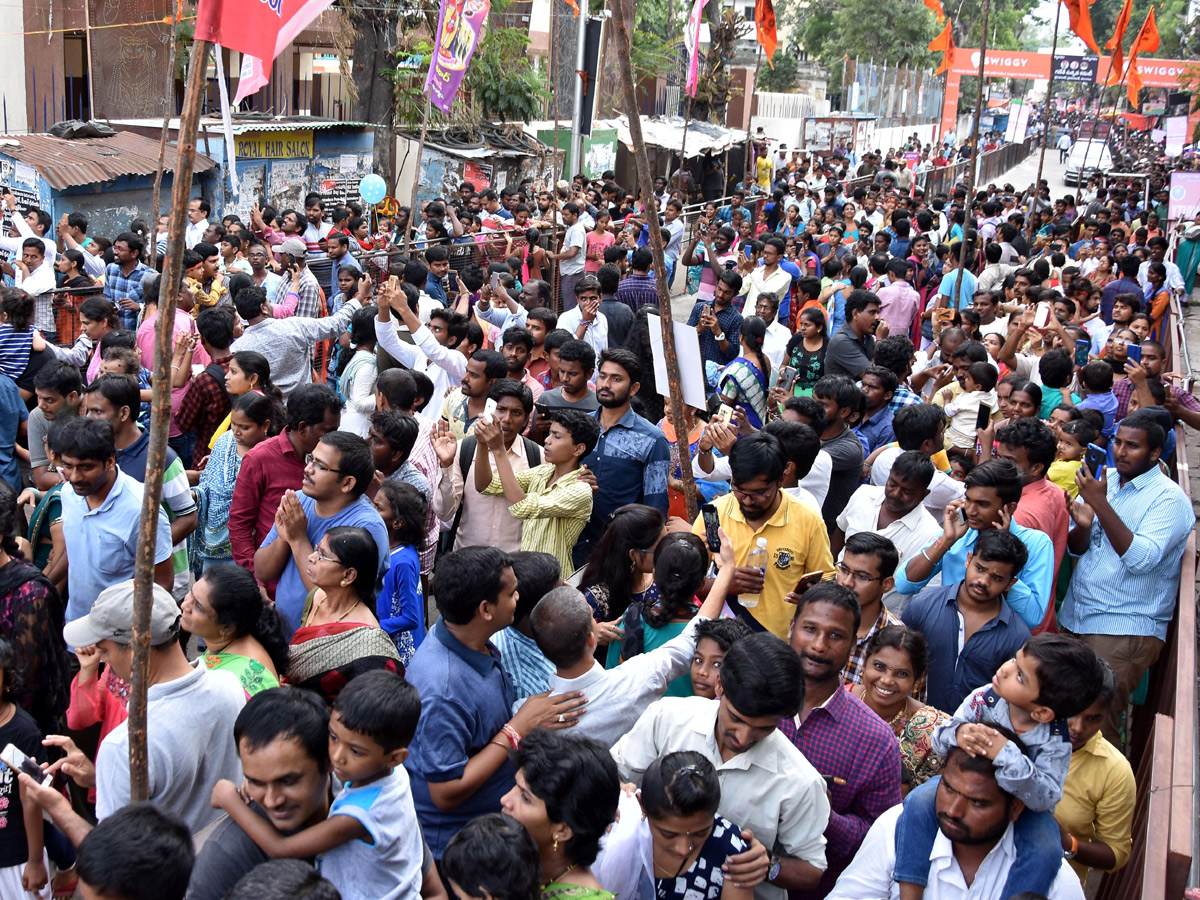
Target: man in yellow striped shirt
<point x="550" y="499"/>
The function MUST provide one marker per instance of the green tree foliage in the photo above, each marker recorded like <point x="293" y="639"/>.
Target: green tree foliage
<point x="783" y="76"/>
<point x="900" y="30"/>
<point x="501" y="78"/>
<point x="1178" y="41"/>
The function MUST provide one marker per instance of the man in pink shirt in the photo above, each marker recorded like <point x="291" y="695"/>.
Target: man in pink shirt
<point x="899" y="301"/>
<point x="1031" y="446"/>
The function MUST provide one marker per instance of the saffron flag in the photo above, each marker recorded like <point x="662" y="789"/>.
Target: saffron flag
<point x="574" y="5"/>
<point x="1080" y="16"/>
<point x="1147" y="41"/>
<point x="259" y="29"/>
<point x="692" y="39"/>
<point x="945" y="43"/>
<point x="936" y="7"/>
<point x="764" y="24"/>
<point x="1115" y="42"/>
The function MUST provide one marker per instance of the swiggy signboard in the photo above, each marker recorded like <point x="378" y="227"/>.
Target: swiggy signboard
<point x="1013" y="64"/>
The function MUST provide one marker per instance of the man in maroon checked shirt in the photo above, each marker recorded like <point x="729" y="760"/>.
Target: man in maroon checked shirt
<point x="836" y="731"/>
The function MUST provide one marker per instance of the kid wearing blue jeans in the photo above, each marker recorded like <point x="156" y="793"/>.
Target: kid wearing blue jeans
<point x="1052" y="678"/>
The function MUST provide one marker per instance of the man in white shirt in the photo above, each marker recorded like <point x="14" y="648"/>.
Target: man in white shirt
<point x="894" y="511"/>
<point x="767" y="786"/>
<point x="563" y="628"/>
<point x="807" y="483"/>
<point x="435" y="348"/>
<point x="585" y="321"/>
<point x="770" y="276"/>
<point x="919" y="427"/>
<point x="34" y="224"/>
<point x="34" y="274"/>
<point x="573" y="256"/>
<point x="766" y="307"/>
<point x="975" y="835"/>
<point x="197" y="216"/>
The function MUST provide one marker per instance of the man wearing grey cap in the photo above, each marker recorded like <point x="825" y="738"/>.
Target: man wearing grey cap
<point x="297" y="280"/>
<point x="190" y="711"/>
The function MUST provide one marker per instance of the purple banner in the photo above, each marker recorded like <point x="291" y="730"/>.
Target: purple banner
<point x="459" y="24"/>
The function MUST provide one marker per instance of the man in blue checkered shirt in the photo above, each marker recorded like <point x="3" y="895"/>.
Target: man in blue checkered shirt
<point x="123" y="278"/>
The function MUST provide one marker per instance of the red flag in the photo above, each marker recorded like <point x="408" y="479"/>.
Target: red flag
<point x="1147" y="41"/>
<point x="1115" y="44"/>
<point x="764" y="24"/>
<point x="936" y="7"/>
<point x="260" y="29"/>
<point x="945" y="43"/>
<point x="1081" y="22"/>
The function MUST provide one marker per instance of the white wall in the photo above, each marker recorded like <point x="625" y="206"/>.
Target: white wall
<point x="886" y="138"/>
<point x="12" y="80"/>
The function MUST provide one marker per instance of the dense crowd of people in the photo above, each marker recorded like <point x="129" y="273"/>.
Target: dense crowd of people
<point x="429" y="615"/>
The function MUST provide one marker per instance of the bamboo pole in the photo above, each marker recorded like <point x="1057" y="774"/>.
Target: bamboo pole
<point x="412" y="198"/>
<point x="1037" y="183"/>
<point x="160" y="417"/>
<point x="750" y="157"/>
<point x="622" y="16"/>
<point x="1087" y="150"/>
<point x="555" y="243"/>
<point x="162" y="141"/>
<point x="680" y="183"/>
<point x="974" y="161"/>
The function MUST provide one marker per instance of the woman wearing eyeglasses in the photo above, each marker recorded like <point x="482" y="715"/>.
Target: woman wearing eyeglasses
<point x="339" y="636"/>
<point x="668" y="842"/>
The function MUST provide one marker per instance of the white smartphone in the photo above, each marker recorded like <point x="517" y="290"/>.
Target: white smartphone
<point x="1042" y="316"/>
<point x="495" y="281"/>
<point x="489" y="410"/>
<point x="12" y="757"/>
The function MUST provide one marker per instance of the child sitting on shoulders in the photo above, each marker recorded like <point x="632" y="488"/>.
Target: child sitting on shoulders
<point x="979" y="389"/>
<point x="370" y="847"/>
<point x="1053" y="677"/>
<point x="1073" y="440"/>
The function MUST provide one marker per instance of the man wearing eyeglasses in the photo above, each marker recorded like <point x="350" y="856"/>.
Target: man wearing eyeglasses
<point x="337" y="474"/>
<point x="757" y="507"/>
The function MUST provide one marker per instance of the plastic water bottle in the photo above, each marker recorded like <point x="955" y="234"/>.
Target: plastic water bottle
<point x="756" y="560"/>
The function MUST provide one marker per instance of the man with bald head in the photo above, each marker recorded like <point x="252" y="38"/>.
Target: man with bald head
<point x="563" y="628"/>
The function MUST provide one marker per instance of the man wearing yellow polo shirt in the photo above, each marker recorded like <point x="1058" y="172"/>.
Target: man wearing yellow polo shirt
<point x="757" y="508"/>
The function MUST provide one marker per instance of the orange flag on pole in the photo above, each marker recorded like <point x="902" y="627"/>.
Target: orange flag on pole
<point x="1147" y="41"/>
<point x="945" y="43"/>
<point x="1115" y="42"/>
<point x="574" y="5"/>
<point x="936" y="7"/>
<point x="764" y="24"/>
<point x="1080" y="16"/>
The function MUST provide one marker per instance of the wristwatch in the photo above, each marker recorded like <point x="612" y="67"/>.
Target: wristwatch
<point x="719" y="337"/>
<point x="1070" y="854"/>
<point x="773" y="870"/>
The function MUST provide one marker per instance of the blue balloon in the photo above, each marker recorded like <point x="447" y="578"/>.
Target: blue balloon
<point x="372" y="189"/>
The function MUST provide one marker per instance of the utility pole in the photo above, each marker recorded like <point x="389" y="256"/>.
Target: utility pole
<point x="970" y="172"/>
<point x="1045" y="129"/>
<point x="622" y="17"/>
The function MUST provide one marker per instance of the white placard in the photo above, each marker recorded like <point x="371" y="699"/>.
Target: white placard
<point x="27" y="174"/>
<point x="1176" y="134"/>
<point x="348" y="162"/>
<point x="691" y="364"/>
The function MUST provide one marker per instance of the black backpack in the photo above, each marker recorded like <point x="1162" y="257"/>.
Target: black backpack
<point x="466" y="452"/>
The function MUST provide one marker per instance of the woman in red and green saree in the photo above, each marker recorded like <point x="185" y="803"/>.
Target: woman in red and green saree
<point x="339" y="636"/>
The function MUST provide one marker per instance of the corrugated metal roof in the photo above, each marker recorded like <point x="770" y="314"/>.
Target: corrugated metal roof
<point x="249" y="123"/>
<point x="87" y="160"/>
